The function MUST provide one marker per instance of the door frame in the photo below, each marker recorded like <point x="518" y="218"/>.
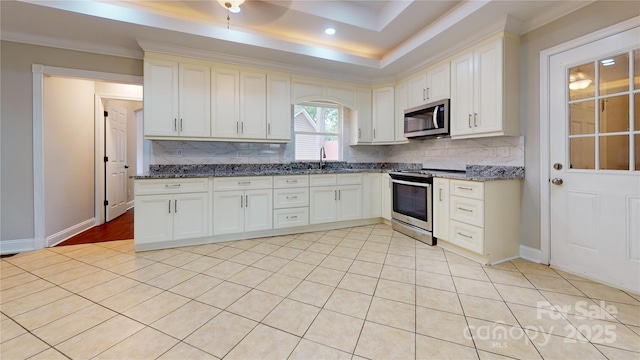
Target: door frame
<point x="39" y="72"/>
<point x="545" y="139"/>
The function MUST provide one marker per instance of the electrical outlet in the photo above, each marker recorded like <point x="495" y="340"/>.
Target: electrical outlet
<point x="179" y="152"/>
<point x="493" y="152"/>
<point x="503" y="151"/>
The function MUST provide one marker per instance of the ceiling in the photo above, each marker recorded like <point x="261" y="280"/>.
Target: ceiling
<point x="376" y="40"/>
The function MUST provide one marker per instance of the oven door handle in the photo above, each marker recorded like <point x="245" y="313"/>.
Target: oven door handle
<point x="409" y="183"/>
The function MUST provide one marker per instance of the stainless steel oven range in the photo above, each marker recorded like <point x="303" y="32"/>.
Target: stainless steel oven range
<point x="411" y="214"/>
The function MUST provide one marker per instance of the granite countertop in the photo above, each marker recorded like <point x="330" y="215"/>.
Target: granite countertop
<point x="473" y="172"/>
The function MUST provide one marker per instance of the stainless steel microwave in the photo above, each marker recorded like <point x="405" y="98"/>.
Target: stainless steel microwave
<point x="427" y="120"/>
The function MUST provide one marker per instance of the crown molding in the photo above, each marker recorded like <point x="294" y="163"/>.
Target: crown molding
<point x="67" y="44"/>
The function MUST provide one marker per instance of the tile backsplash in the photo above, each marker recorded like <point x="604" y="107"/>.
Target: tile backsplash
<point x="432" y="153"/>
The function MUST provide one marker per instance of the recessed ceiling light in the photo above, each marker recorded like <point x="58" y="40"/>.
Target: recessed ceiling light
<point x="330" y="31"/>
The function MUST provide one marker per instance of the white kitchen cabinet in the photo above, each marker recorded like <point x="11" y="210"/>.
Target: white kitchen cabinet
<point x="177" y="96"/>
<point x="385" y="196"/>
<point x="400" y="105"/>
<point x="309" y="89"/>
<point x="339" y="201"/>
<point x="483" y="221"/>
<point x="361" y="121"/>
<point x="170" y="210"/>
<point x="290" y="201"/>
<point x="441" y="208"/>
<point x="225" y="103"/>
<point x="429" y="86"/>
<point x="484" y="89"/>
<point x="372" y="201"/>
<point x="253" y="105"/>
<point x="242" y="204"/>
<point x="279" y="110"/>
<point x="383" y="115"/>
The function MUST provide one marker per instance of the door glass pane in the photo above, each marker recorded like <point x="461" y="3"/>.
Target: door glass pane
<point x="614" y="114"/>
<point x="636" y="71"/>
<point x="614" y="74"/>
<point x="614" y="152"/>
<point x="582" y="153"/>
<point x="581" y="84"/>
<point x="582" y="118"/>
<point x="636" y="139"/>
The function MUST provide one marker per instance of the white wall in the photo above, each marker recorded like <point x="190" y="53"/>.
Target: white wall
<point x="68" y="153"/>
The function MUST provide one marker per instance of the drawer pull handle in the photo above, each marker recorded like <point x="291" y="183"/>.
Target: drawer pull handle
<point x="292" y="217"/>
<point x="172" y="186"/>
<point x="292" y="181"/>
<point x="467" y="236"/>
<point x="244" y="182"/>
<point x="465" y="188"/>
<point x="463" y="209"/>
<point x="292" y="197"/>
<point x="440" y="194"/>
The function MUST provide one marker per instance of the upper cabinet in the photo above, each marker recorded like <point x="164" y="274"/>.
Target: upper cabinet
<point x="429" y="86"/>
<point x="309" y="89"/>
<point x="225" y="103"/>
<point x="400" y="105"/>
<point x="361" y="130"/>
<point x="485" y="89"/>
<point x="177" y="96"/>
<point x="383" y="117"/>
<point x="279" y="110"/>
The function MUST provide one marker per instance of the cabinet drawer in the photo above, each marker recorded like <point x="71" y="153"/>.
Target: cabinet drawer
<point x="322" y="180"/>
<point x="467" y="236"/>
<point x="170" y="186"/>
<point x="283" y="218"/>
<point x="350" y="179"/>
<point x="470" y="189"/>
<point x="288" y="198"/>
<point x="290" y="181"/>
<point x="470" y="211"/>
<point x="242" y="183"/>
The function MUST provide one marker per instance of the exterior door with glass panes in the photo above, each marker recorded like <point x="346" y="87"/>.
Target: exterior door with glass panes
<point x="595" y="159"/>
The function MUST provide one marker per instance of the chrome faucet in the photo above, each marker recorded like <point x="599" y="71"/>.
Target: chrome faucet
<point x="323" y="155"/>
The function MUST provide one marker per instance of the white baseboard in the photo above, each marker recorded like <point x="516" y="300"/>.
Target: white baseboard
<point x="16" y="246"/>
<point x="530" y="254"/>
<point x="130" y="204"/>
<point x="63" y="235"/>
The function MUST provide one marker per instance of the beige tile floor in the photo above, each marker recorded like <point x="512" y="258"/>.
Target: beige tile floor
<point x="357" y="293"/>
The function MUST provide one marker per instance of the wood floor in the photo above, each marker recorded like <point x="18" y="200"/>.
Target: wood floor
<point x="120" y="228"/>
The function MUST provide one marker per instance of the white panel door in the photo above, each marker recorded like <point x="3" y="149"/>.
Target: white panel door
<point x="116" y="166"/>
<point x="190" y="215"/>
<point x="279" y="110"/>
<point x="595" y="191"/>
<point x="160" y="98"/>
<point x="228" y="212"/>
<point x="195" y="100"/>
<point x="225" y="103"/>
<point x="253" y="105"/>
<point x="258" y="209"/>
<point x="322" y="204"/>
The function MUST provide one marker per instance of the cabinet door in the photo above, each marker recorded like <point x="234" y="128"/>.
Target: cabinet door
<point x="154" y="220"/>
<point x="383" y="115"/>
<point x="160" y="98"/>
<point x="363" y="120"/>
<point x="304" y="90"/>
<point x="195" y="101"/>
<point x="258" y="209"/>
<point x="322" y="204"/>
<point x="225" y="104"/>
<point x="385" y="191"/>
<point x="488" y="88"/>
<point x="279" y="110"/>
<point x="190" y="215"/>
<point x="417" y="90"/>
<point x="253" y="105"/>
<point x="400" y="105"/>
<point x="228" y="212"/>
<point x="438" y="82"/>
<point x="441" y="208"/>
<point x="342" y="95"/>
<point x="373" y="197"/>
<point x="462" y="95"/>
<point x="349" y="202"/>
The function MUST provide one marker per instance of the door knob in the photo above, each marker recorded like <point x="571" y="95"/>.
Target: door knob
<point x="557" y="181"/>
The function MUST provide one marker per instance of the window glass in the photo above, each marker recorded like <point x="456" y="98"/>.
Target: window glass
<point x="614" y="114"/>
<point x="614" y="152"/>
<point x="614" y="74"/>
<point x="317" y="126"/>
<point x="582" y="118"/>
<point x="582" y="153"/>
<point x="582" y="82"/>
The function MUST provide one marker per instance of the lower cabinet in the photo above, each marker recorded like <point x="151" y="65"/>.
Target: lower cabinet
<point x="165" y="216"/>
<point x="240" y="211"/>
<point x="335" y="202"/>
<point x="385" y="196"/>
<point x="441" y="208"/>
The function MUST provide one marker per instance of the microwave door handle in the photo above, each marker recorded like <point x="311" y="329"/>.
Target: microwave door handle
<point x="435" y="117"/>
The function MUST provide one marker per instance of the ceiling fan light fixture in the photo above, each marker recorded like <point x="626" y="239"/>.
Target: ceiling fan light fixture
<point x="231" y="5"/>
<point x="579" y="84"/>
